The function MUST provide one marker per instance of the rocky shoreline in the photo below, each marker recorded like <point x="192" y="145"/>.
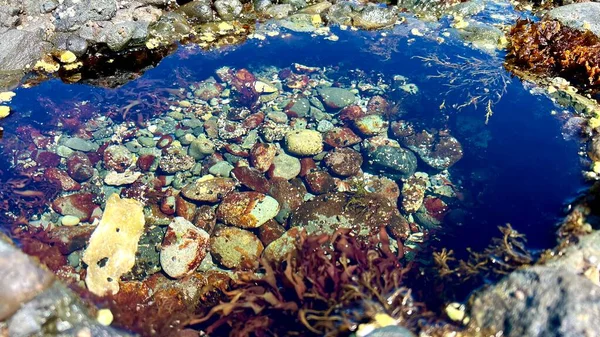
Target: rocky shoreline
<point x="250" y="179"/>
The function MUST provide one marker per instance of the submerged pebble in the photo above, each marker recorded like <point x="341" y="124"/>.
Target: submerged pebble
<point x="183" y="248"/>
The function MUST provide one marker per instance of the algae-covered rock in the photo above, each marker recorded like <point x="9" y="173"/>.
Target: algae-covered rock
<point x="247" y="209"/>
<point x="111" y="251"/>
<point x="183" y="248"/>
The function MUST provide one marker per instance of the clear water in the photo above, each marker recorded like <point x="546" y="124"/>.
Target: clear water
<point x="517" y="169"/>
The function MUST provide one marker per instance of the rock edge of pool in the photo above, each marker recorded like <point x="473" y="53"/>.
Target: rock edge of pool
<point x="214" y="168"/>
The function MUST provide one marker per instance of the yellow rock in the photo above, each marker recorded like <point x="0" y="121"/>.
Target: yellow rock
<point x="48" y="66"/>
<point x="152" y="43"/>
<point x="225" y="26"/>
<point x="6" y="96"/>
<point x="67" y="57"/>
<point x="112" y="247"/>
<point x="457" y="312"/>
<point x="316" y="20"/>
<point x="105" y="317"/>
<point x="502" y="42"/>
<point x="304" y="142"/>
<point x="73" y="66"/>
<point x="264" y="88"/>
<point x="459" y="22"/>
<point x="594" y="122"/>
<point x="596" y="167"/>
<point x="4" y="111"/>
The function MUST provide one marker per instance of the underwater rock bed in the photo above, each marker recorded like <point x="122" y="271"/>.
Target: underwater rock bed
<point x="281" y="186"/>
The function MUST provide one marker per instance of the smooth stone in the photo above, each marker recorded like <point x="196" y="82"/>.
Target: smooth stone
<point x="183" y="248"/>
<point x="69" y="220"/>
<point x="304" y="142"/>
<point x="221" y="169"/>
<point x="80" y="144"/>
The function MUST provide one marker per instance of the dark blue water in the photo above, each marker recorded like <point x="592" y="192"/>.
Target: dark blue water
<point x="523" y="175"/>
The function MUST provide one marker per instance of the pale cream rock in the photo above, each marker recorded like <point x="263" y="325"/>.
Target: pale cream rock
<point x="118" y="179"/>
<point x="112" y="247"/>
<point x="304" y="142"/>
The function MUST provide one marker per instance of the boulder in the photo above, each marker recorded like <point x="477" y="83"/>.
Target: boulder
<point x="538" y="301"/>
<point x="582" y="16"/>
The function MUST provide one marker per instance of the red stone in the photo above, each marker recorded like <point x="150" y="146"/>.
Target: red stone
<point x="80" y="205"/>
<point x="350" y="113"/>
<point x="290" y="197"/>
<point x="270" y="232"/>
<point x="62" y="179"/>
<point x="378" y="105"/>
<point x="251" y="178"/>
<point x="344" y="161"/>
<point x="47" y="159"/>
<point x="168" y="204"/>
<point x="341" y="137"/>
<point x="145" y="162"/>
<point x="205" y="218"/>
<point x="435" y="207"/>
<point x="307" y="165"/>
<point x="69" y="239"/>
<point x="262" y="155"/>
<point x="164" y="141"/>
<point x="184" y="208"/>
<point x="80" y="167"/>
<point x="253" y="121"/>
<point x="319" y="182"/>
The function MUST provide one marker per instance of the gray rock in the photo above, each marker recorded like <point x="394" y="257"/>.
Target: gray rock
<point x="19" y="49"/>
<point x="157" y="3"/>
<point x="336" y="98"/>
<point x="37" y="7"/>
<point x="79" y="144"/>
<point x="77" y="45"/>
<point x="72" y="14"/>
<point x="279" y="11"/>
<point x="297" y="4"/>
<point x="300" y="108"/>
<point x="261" y="5"/>
<point x="539" y="301"/>
<point x="33" y="303"/>
<point x="340" y="13"/>
<point x="200" y="10"/>
<point x="221" y="169"/>
<point x="8" y="18"/>
<point x="374" y="17"/>
<point x="228" y="9"/>
<point x="171" y="26"/>
<point x="579" y="16"/>
<point x="20" y="279"/>
<point x="301" y="23"/>
<point x="119" y="35"/>
<point x="481" y="34"/>
<point x="394" y="162"/>
<point x="57" y="312"/>
<point x="391" y="331"/>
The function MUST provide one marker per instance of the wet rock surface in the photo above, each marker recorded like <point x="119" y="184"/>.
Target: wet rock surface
<point x="243" y="164"/>
<point x="236" y="248"/>
<point x="33" y="303"/>
<point x="539" y="301"/>
<point x="581" y="16"/>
